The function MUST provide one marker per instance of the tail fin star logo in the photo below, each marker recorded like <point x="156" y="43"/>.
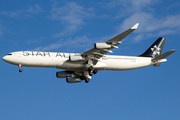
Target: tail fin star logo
<point x="155" y="50"/>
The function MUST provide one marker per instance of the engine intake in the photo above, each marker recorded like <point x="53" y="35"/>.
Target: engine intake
<point x="73" y="79"/>
<point x="75" y="58"/>
<point x="63" y="74"/>
<point x="102" y="45"/>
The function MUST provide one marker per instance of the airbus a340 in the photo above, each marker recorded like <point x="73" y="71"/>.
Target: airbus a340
<point x="80" y="67"/>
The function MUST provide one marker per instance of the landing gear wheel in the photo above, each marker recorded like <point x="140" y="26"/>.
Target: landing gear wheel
<point x="95" y="71"/>
<point x="20" y="70"/>
<point x="87" y="80"/>
<point x="90" y="68"/>
<point x="91" y="73"/>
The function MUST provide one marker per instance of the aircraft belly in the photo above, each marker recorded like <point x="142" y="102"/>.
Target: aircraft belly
<point x="126" y="64"/>
<point x="71" y="66"/>
<point x="100" y="66"/>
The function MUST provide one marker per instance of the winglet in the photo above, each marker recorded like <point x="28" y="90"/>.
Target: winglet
<point x="135" y="26"/>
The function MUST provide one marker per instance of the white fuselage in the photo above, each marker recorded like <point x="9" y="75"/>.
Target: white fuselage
<point x="61" y="61"/>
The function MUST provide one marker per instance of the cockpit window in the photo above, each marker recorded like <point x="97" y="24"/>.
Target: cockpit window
<point x="9" y="54"/>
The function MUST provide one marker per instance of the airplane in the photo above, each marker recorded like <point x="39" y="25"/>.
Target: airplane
<point x="80" y="67"/>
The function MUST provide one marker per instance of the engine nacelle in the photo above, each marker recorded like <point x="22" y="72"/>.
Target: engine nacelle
<point x="101" y="45"/>
<point x="73" y="79"/>
<point x="76" y="58"/>
<point x="63" y="74"/>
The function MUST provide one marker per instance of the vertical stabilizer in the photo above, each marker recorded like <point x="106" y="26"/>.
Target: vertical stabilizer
<point x="155" y="49"/>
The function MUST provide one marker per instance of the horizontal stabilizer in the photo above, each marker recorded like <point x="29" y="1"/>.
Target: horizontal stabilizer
<point x="160" y="57"/>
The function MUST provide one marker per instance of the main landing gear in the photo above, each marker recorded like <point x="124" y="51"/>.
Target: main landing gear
<point x="92" y="70"/>
<point x="87" y="74"/>
<point x="20" y="69"/>
<point x="87" y="80"/>
<point x="86" y="77"/>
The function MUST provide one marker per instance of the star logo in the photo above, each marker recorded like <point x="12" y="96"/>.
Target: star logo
<point x="155" y="50"/>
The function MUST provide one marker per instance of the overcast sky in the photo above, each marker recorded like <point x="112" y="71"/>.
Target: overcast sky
<point x="150" y="93"/>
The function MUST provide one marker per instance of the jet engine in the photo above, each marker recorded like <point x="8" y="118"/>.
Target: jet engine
<point x="75" y="58"/>
<point x="63" y="74"/>
<point x="73" y="79"/>
<point x="102" y="45"/>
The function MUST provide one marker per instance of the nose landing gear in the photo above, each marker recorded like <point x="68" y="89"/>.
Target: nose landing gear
<point x="20" y="69"/>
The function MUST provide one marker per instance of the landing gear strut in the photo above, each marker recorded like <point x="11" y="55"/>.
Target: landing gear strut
<point x="20" y="69"/>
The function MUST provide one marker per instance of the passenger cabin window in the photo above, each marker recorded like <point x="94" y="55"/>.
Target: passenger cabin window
<point x="9" y="54"/>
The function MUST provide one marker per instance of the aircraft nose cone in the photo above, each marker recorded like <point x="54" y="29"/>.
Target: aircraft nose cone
<point x="5" y="58"/>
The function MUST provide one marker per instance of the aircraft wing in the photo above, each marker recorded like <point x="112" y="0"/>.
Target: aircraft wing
<point x="104" y="47"/>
